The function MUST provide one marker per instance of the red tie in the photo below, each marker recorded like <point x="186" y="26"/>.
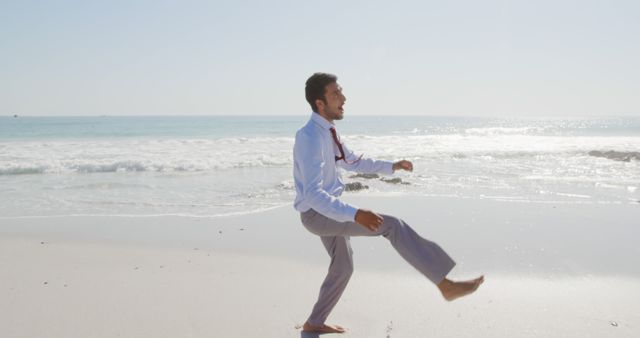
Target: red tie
<point x="337" y="142"/>
<point x="335" y="139"/>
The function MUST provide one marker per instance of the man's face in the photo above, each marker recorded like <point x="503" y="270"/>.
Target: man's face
<point x="333" y="109"/>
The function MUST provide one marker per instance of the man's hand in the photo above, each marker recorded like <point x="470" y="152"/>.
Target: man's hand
<point x="404" y="165"/>
<point x="369" y="219"/>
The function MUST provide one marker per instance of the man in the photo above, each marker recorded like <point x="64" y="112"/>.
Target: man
<point x="317" y="154"/>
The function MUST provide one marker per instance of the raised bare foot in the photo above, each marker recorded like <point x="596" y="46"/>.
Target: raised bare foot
<point x="324" y="328"/>
<point x="451" y="290"/>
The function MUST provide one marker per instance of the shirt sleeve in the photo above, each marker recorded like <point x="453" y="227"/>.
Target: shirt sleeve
<point x="364" y="165"/>
<point x="309" y="162"/>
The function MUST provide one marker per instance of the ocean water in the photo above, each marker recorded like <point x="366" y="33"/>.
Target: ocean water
<point x="215" y="166"/>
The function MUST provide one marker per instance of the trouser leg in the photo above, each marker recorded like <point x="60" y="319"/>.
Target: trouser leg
<point x="424" y="255"/>
<point x="340" y="270"/>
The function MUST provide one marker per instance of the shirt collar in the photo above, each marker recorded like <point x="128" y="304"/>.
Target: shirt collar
<point x="321" y="121"/>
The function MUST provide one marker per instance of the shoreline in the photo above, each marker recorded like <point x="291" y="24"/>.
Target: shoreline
<point x="483" y="235"/>
<point x="358" y="196"/>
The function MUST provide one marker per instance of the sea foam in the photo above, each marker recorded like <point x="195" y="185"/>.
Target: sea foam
<point x="250" y="169"/>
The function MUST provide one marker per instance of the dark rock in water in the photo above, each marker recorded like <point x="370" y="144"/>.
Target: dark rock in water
<point x="367" y="176"/>
<point x="355" y="186"/>
<point x="625" y="156"/>
<point x="395" y="180"/>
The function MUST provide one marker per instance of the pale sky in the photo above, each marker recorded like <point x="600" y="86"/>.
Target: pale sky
<point x="479" y="58"/>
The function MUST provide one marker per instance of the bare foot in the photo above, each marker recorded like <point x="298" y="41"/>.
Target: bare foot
<point x="323" y="328"/>
<point x="451" y="290"/>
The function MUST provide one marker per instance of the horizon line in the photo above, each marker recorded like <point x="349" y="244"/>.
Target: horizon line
<point x="350" y="115"/>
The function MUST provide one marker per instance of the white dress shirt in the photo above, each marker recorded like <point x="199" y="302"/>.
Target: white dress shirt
<point x="317" y="180"/>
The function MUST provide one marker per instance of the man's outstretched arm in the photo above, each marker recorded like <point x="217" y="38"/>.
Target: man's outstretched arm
<point x="367" y="165"/>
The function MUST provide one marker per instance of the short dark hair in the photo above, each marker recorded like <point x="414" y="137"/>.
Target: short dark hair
<point x="314" y="89"/>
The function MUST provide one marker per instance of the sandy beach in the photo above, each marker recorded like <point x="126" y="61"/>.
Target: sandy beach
<point x="152" y="152"/>
<point x="552" y="270"/>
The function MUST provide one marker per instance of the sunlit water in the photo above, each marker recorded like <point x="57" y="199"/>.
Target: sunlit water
<point x="211" y="166"/>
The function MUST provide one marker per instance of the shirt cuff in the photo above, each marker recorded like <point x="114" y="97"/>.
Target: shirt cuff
<point x="388" y="168"/>
<point x="351" y="211"/>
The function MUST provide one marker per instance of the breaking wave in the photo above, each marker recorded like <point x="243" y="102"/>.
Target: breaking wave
<point x="624" y="156"/>
<point x="211" y="155"/>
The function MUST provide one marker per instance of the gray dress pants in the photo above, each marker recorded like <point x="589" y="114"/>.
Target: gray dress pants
<point x="426" y="256"/>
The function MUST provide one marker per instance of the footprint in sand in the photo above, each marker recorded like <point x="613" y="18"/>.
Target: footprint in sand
<point x="389" y="329"/>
